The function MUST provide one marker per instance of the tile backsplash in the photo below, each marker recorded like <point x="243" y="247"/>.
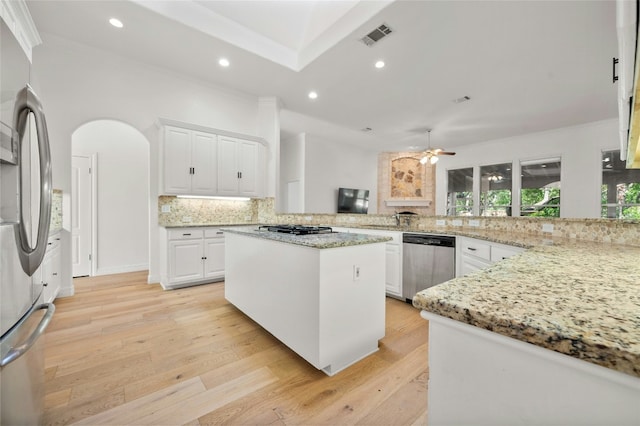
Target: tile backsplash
<point x="221" y="212"/>
<point x="174" y="211"/>
<point x="55" y="224"/>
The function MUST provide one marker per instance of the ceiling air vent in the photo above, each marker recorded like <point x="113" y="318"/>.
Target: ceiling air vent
<point x="376" y="35"/>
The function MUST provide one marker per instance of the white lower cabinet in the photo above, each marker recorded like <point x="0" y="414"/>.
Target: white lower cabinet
<point x="393" y="271"/>
<point x="474" y="255"/>
<point x="49" y="272"/>
<point x="191" y="256"/>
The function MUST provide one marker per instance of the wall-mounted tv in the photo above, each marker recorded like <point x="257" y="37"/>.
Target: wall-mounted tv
<point x="353" y="200"/>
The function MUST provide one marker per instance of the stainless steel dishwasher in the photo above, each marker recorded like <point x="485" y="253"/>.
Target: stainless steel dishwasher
<point x="427" y="260"/>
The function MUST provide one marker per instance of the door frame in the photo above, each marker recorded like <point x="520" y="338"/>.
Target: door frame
<point x="94" y="213"/>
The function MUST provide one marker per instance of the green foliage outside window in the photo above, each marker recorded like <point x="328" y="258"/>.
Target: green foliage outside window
<point x="628" y="195"/>
<point x="535" y="204"/>
<point x="496" y="202"/>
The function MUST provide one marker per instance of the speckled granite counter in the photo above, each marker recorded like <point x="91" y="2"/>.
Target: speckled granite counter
<point x="577" y="298"/>
<point x="319" y="241"/>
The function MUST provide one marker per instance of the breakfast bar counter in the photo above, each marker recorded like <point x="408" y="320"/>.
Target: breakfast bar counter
<point x="551" y="335"/>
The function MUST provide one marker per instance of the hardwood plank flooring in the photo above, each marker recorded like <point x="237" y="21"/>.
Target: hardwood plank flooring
<point x="121" y="352"/>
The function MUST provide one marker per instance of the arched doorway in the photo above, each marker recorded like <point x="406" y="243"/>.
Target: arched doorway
<point x="110" y="198"/>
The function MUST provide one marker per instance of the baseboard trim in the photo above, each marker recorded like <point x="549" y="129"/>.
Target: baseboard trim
<point x="122" y="269"/>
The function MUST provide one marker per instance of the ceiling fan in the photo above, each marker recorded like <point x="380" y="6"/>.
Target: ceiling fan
<point x="431" y="155"/>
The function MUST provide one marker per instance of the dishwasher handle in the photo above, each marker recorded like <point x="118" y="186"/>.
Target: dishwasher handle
<point x="429" y="240"/>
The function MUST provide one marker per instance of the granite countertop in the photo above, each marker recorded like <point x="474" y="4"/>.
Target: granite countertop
<point x="319" y="241"/>
<point x="204" y="225"/>
<point x="578" y="298"/>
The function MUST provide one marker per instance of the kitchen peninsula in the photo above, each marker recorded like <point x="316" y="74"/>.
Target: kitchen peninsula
<point x="322" y="295"/>
<point x="550" y="336"/>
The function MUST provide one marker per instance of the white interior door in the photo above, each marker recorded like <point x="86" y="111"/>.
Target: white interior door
<point x="81" y="215"/>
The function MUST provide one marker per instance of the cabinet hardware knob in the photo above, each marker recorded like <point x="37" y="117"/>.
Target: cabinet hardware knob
<point x="45" y="284"/>
<point x="186" y="235"/>
<point x="219" y="232"/>
<point x="471" y="248"/>
<point x="615" y="77"/>
<point x="55" y="274"/>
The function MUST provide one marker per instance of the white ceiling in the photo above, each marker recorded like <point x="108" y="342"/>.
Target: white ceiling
<point x="526" y="65"/>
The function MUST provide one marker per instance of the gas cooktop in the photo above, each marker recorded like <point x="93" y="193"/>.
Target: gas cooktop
<point x="297" y="229"/>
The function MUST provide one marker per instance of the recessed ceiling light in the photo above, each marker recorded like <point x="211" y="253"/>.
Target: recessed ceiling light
<point x="313" y="95"/>
<point x="116" y="22"/>
<point x="380" y="64"/>
<point x="224" y="62"/>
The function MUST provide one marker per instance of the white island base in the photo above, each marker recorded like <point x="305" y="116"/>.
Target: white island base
<point x="477" y="377"/>
<point x="310" y="298"/>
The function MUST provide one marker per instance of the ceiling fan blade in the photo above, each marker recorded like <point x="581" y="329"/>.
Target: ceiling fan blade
<point x="446" y="153"/>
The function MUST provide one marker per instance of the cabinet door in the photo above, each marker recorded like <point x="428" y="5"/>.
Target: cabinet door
<point x="185" y="260"/>
<point x="177" y="161"/>
<point x="248" y="157"/>
<point x="227" y="166"/>
<point x="393" y="279"/>
<point x="55" y="281"/>
<point x="499" y="253"/>
<point x="214" y="254"/>
<point x="204" y="180"/>
<point x="470" y="264"/>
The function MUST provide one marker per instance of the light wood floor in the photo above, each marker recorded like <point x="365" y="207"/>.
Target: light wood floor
<point x="124" y="352"/>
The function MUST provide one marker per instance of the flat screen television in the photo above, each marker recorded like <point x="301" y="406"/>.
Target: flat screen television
<point x="353" y="200"/>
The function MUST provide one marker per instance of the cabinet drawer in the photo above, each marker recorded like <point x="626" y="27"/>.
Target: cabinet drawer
<point x="53" y="241"/>
<point x="500" y="253"/>
<point x="185" y="234"/>
<point x="213" y="233"/>
<point x="477" y="249"/>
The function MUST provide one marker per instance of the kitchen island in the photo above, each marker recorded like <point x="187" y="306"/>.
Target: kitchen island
<point x="322" y="295"/>
<point x="550" y="336"/>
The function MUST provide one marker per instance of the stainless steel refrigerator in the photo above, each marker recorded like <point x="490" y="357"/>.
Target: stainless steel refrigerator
<point x="25" y="211"/>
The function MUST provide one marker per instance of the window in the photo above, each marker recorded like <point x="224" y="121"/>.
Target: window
<point x="540" y="188"/>
<point x="495" y="190"/>
<point x="620" y="188"/>
<point x="460" y="192"/>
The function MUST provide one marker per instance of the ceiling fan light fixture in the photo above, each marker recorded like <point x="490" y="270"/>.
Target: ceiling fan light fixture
<point x="424" y="160"/>
<point x="433" y="160"/>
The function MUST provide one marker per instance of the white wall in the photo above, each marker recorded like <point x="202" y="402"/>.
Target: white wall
<point x="329" y="165"/>
<point x="122" y="227"/>
<point x="291" y="170"/>
<point x="79" y="84"/>
<point x="580" y="148"/>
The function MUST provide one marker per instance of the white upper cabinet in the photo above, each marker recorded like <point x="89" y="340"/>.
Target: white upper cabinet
<point x="195" y="162"/>
<point x="189" y="162"/>
<point x="240" y="167"/>
<point x="204" y="179"/>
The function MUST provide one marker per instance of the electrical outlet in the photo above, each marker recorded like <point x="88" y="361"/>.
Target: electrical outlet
<point x="441" y="222"/>
<point x="166" y="208"/>
<point x="474" y="222"/>
<point x="356" y="272"/>
<point x="456" y="222"/>
<point x="352" y="219"/>
<point x="186" y="219"/>
<point x="247" y="218"/>
<point x="308" y="218"/>
<point x="547" y="227"/>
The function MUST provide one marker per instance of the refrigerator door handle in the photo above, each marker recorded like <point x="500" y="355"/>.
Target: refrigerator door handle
<point x="19" y="350"/>
<point x="30" y="258"/>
